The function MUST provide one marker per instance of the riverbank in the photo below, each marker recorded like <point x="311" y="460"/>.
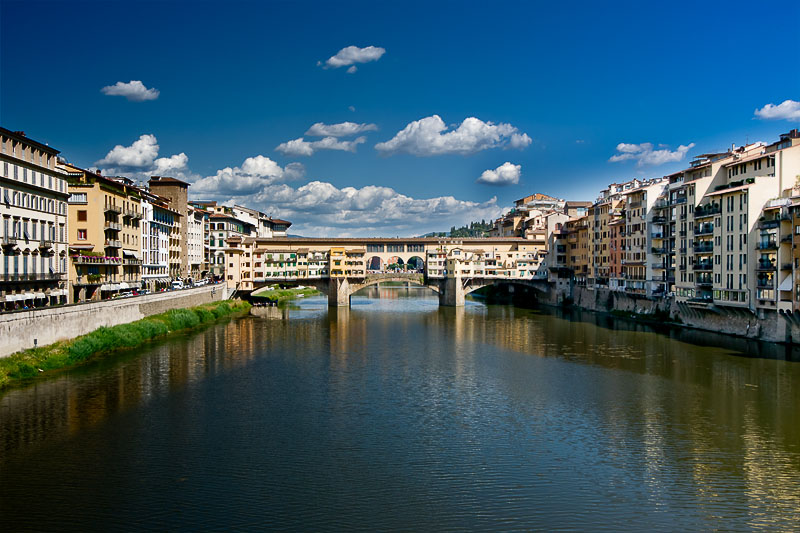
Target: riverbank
<point x="65" y="354"/>
<point x="277" y="295"/>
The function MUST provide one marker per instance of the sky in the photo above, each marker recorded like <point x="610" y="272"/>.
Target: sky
<point x="395" y="118"/>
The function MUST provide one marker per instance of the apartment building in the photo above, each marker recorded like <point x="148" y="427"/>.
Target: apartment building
<point x="265" y="227"/>
<point x="223" y="226"/>
<point x="197" y="242"/>
<point x="105" y="238"/>
<point x="177" y="192"/>
<point x="158" y="221"/>
<point x="33" y="208"/>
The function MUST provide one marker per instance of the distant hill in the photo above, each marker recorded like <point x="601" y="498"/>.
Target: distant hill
<point x="473" y="229"/>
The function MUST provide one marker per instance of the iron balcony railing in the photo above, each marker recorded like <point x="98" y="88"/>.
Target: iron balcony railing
<point x="707" y="211"/>
<point x="703" y="266"/>
<point x="706" y="229"/>
<point x="770" y="244"/>
<point x="112" y="209"/>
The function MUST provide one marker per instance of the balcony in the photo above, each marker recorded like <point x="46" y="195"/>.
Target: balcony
<point x="658" y="250"/>
<point x="116" y="226"/>
<point x="707" y="211"/>
<point x="11" y="240"/>
<point x="109" y="208"/>
<point x="113" y="244"/>
<point x="661" y="204"/>
<point x="658" y="219"/>
<point x="704" y="282"/>
<point x="131" y="262"/>
<point x="679" y="200"/>
<point x="704" y="229"/>
<point x="766" y="265"/>
<point x="34" y="276"/>
<point x="45" y="243"/>
<point x="704" y="266"/>
<point x="704" y="247"/>
<point x="91" y="279"/>
<point x="768" y="224"/>
<point x="95" y="260"/>
<point x="770" y="244"/>
<point x="786" y="239"/>
<point x="786" y="266"/>
<point x="657" y="236"/>
<point x="131" y="214"/>
<point x="658" y="266"/>
<point x="765" y="283"/>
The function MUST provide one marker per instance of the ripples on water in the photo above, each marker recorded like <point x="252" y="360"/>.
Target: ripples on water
<point x="397" y="414"/>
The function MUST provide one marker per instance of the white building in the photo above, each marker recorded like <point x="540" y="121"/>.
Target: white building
<point x="33" y="208"/>
<point x="157" y="225"/>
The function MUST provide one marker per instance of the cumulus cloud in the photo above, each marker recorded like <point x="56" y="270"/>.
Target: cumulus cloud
<point x="300" y="146"/>
<point x="425" y="137"/>
<point x="353" y="54"/>
<point x="140" y="161"/>
<point x="788" y="110"/>
<point x="134" y="90"/>
<point x="343" y="129"/>
<point x="252" y="176"/>
<point x="319" y="208"/>
<point x="505" y="174"/>
<point x="139" y="154"/>
<point x="645" y="154"/>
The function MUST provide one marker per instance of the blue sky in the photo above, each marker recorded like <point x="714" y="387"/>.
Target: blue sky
<point x="555" y="88"/>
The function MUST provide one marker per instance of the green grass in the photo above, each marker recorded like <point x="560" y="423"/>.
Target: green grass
<point x="33" y="362"/>
<point x="282" y="295"/>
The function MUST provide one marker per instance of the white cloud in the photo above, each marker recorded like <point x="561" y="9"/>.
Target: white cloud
<point x="139" y="154"/>
<point x="353" y="54"/>
<point x="645" y="155"/>
<point x="300" y="146"/>
<point x="424" y="137"/>
<point x="352" y="108"/>
<point x="140" y="161"/>
<point x="253" y="176"/>
<point x="788" y="110"/>
<point x="343" y="129"/>
<point x="134" y="90"/>
<point x="352" y="70"/>
<point x="320" y="208"/>
<point x="505" y="174"/>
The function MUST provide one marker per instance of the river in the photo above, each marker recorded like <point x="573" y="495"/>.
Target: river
<point x="396" y="414"/>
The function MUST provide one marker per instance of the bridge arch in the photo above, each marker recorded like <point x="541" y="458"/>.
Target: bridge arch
<point x="415" y="263"/>
<point x="375" y="263"/>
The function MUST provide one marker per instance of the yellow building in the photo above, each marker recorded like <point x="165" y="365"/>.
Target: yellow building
<point x="104" y="235"/>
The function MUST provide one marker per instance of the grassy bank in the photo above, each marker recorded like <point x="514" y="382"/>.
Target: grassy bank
<point x="278" y="295"/>
<point x="30" y="363"/>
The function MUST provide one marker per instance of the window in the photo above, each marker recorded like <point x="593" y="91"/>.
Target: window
<point x="81" y="234"/>
<point x="82" y="216"/>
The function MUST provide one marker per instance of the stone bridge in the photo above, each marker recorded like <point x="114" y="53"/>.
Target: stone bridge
<point x="452" y="291"/>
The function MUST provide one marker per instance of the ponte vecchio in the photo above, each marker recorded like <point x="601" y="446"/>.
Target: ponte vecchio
<point x="339" y="267"/>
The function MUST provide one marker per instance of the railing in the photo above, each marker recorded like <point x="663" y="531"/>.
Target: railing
<point x="765" y="265"/>
<point x="9" y="240"/>
<point x="765" y="284"/>
<point x="45" y="243"/>
<point x="704" y="230"/>
<point x="703" y="266"/>
<point x="767" y="224"/>
<point x="113" y="244"/>
<point x="767" y="245"/>
<point x="659" y="266"/>
<point x="31" y="276"/>
<point x="658" y="250"/>
<point x="131" y="261"/>
<point x="786" y="238"/>
<point x="109" y="208"/>
<point x="656" y="235"/>
<point x="679" y="200"/>
<point x="94" y="260"/>
<point x="658" y="219"/>
<point x="661" y="204"/>
<point x="131" y="214"/>
<point x="786" y="266"/>
<point x="707" y="211"/>
<point x="704" y="247"/>
<point x="113" y="225"/>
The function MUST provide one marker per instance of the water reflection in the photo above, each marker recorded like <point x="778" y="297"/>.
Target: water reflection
<point x="471" y="414"/>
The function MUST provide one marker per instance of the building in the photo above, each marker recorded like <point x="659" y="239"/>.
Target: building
<point x="105" y="237"/>
<point x="33" y="207"/>
<point x="158" y="220"/>
<point x="223" y="226"/>
<point x="177" y="192"/>
<point x="197" y="242"/>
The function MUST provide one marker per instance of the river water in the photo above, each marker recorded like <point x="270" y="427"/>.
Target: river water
<point x="400" y="415"/>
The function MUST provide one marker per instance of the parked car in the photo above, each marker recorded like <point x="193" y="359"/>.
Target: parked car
<point x="177" y="284"/>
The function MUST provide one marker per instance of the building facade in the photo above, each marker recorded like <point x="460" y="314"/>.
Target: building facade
<point x="33" y="209"/>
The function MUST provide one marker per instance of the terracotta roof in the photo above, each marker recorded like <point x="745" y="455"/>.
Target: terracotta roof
<point x="159" y="180"/>
<point x="732" y="189"/>
<point x="279" y="221"/>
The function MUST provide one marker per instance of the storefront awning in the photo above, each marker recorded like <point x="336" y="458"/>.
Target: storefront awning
<point x="39" y="295"/>
<point x="109" y="287"/>
<point x="81" y="247"/>
<point x="130" y="253"/>
<point x="123" y="285"/>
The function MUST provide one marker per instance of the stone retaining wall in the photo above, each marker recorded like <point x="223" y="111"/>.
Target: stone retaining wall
<point x="19" y="330"/>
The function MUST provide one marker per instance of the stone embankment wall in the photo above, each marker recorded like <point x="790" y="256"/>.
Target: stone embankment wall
<point x="767" y="326"/>
<point x="19" y="329"/>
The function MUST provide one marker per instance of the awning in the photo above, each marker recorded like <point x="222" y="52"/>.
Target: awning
<point x="786" y="285"/>
<point x="123" y="285"/>
<point x="81" y="247"/>
<point x="40" y="295"/>
<point x="130" y="253"/>
<point x="27" y="296"/>
<point x="109" y="287"/>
